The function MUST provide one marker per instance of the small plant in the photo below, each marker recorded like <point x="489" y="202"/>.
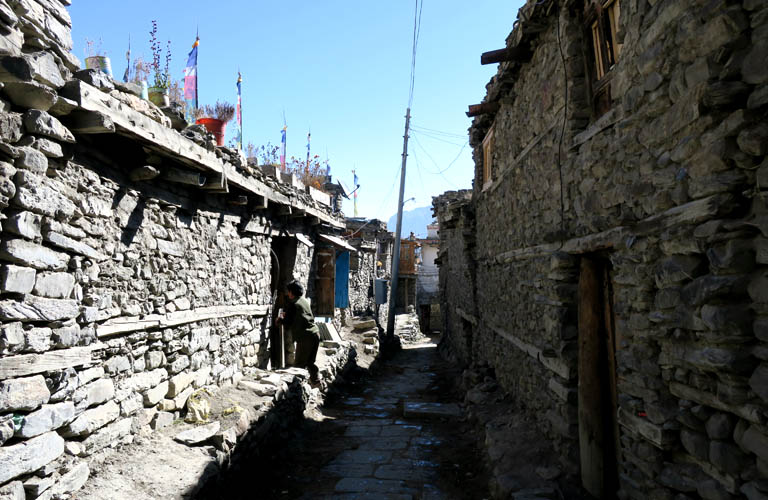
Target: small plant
<point x="266" y="155"/>
<point x="162" y="73"/>
<point x="139" y="70"/>
<point x="93" y="48"/>
<point x="223" y="111"/>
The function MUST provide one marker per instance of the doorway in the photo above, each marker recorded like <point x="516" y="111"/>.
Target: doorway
<point x="283" y="252"/>
<point x="598" y="427"/>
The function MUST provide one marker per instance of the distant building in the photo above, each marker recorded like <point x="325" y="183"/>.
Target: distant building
<point x="427" y="281"/>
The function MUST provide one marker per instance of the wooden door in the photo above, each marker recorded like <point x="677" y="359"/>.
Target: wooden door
<point x="325" y="289"/>
<point x="598" y="427"/>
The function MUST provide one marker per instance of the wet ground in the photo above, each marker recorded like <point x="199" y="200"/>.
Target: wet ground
<point x="399" y="434"/>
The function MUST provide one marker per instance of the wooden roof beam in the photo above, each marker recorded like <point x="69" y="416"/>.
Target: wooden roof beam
<point x="483" y="108"/>
<point x="519" y="53"/>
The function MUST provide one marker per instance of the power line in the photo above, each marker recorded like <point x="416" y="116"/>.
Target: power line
<point x="437" y="138"/>
<point x="416" y="32"/>
<point x="439" y="132"/>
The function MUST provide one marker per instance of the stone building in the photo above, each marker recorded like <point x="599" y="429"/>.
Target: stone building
<point x="370" y="268"/>
<point x="427" y="281"/>
<point x="610" y="262"/>
<point x="138" y="261"/>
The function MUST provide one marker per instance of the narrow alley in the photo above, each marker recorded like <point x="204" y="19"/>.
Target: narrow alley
<point x="399" y="434"/>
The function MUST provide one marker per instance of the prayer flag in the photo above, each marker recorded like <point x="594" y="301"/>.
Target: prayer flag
<point x="308" y="136"/>
<point x="239" y="112"/>
<point x="190" y="83"/>
<point x="282" y="147"/>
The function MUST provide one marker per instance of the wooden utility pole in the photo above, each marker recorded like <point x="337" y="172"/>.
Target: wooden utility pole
<point x="396" y="253"/>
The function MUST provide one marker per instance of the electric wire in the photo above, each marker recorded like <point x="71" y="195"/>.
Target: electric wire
<point x="437" y="138"/>
<point x="378" y="211"/>
<point x="439" y="172"/>
<point x="416" y="32"/>
<point x="438" y="132"/>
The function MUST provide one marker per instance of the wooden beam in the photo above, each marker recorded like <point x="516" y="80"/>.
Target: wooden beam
<point x="216" y="183"/>
<point x="260" y="203"/>
<point x="145" y="173"/>
<point x="284" y="210"/>
<point x="518" y="53"/>
<point x="240" y="200"/>
<point x="127" y="324"/>
<point x="184" y="177"/>
<point x="482" y="108"/>
<point x="30" y="364"/>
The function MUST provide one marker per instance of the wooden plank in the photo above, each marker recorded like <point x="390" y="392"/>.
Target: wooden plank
<point x="483" y="108"/>
<point x="144" y="173"/>
<point x="134" y="323"/>
<point x="30" y="364"/>
<point x="519" y="53"/>
<point x="590" y="415"/>
<point x="169" y="142"/>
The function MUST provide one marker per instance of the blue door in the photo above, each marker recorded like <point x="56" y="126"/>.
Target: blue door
<point x="342" y="280"/>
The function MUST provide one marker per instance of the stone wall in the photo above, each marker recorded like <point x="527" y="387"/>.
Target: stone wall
<point x="668" y="190"/>
<point x="122" y="287"/>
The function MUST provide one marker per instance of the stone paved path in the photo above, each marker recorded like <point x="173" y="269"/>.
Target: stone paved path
<point x="369" y="448"/>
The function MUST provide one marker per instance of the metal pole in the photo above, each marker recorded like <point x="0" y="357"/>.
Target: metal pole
<point x="396" y="254"/>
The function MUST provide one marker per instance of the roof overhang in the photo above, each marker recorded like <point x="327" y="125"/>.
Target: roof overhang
<point x="337" y="242"/>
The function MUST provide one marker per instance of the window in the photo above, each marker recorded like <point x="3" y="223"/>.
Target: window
<point x="602" y="25"/>
<point x="488" y="158"/>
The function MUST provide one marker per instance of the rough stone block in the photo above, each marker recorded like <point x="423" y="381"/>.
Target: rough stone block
<point x="42" y="197"/>
<point x="198" y="339"/>
<point x="38" y="339"/>
<point x="26" y="393"/>
<point x="48" y="147"/>
<point x="16" y="279"/>
<point x="7" y="428"/>
<point x="154" y="359"/>
<point x="41" y="123"/>
<point x="93" y="419"/>
<point x="758" y="288"/>
<point x="66" y="336"/>
<point x="695" y="443"/>
<point x="10" y="127"/>
<point x="180" y="401"/>
<point x="47" y="418"/>
<point x="117" y="364"/>
<point x="108" y="435"/>
<point x="156" y="394"/>
<point x="75" y="246"/>
<point x="720" y="426"/>
<point x="99" y="392"/>
<point x="727" y="457"/>
<point x="179" y="364"/>
<point x="759" y="381"/>
<point x="162" y="419"/>
<point x="30" y="95"/>
<point x="33" y="255"/>
<point x="32" y="160"/>
<point x="11" y="338"/>
<point x="24" y="224"/>
<point x="29" y="455"/>
<point x="754" y="441"/>
<point x="178" y="383"/>
<point x="13" y="491"/>
<point x="54" y="285"/>
<point x="72" y="481"/>
<point x="33" y="308"/>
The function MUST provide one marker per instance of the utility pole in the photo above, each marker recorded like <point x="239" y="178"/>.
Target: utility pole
<point x="396" y="254"/>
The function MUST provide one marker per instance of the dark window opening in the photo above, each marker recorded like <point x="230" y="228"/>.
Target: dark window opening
<point x="602" y="27"/>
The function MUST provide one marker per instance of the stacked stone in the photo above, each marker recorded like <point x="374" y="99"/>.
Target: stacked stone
<point x="118" y="297"/>
<point x="669" y="186"/>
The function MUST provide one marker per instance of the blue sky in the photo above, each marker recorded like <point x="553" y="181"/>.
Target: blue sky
<point x="338" y="68"/>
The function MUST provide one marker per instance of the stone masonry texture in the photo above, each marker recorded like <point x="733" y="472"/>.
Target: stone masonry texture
<point x="123" y="289"/>
<point x="666" y="185"/>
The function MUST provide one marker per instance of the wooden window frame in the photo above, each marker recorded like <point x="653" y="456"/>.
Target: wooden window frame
<point x="488" y="144"/>
<point x="601" y="25"/>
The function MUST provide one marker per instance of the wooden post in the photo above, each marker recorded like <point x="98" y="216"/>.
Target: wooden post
<point x="590" y="415"/>
<point x="145" y="173"/>
<point x="184" y="177"/>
